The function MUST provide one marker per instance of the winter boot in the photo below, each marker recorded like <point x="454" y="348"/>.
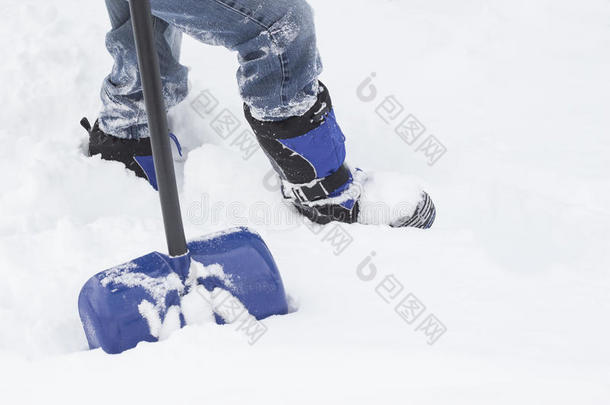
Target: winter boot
<point x="308" y="153"/>
<point x="135" y="154"/>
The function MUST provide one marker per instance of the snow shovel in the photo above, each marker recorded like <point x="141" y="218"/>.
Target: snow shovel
<point x="135" y="301"/>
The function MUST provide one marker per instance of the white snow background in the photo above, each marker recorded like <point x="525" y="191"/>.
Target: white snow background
<point x="516" y="267"/>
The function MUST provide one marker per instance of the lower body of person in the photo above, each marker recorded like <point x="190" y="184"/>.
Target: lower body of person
<point x="288" y="108"/>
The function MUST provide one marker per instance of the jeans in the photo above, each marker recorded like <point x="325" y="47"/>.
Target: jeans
<point x="275" y="41"/>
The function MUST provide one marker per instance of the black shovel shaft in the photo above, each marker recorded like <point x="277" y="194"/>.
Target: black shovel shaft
<point x="148" y="61"/>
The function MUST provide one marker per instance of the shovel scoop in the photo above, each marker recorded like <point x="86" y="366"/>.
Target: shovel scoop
<point x="139" y="301"/>
<point x="136" y="301"/>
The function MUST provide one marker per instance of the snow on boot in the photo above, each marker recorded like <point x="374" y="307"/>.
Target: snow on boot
<point x="308" y="153"/>
<point x="135" y="154"/>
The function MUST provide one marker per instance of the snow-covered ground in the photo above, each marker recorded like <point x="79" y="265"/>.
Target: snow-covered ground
<point x="516" y="268"/>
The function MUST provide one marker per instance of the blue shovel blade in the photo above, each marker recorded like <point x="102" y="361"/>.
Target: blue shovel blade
<point x="115" y="305"/>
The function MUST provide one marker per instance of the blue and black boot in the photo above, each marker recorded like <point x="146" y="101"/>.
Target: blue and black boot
<point x="308" y="153"/>
<point x="135" y="154"/>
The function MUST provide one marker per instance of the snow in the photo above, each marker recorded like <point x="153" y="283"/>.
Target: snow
<point x="388" y="197"/>
<point x="516" y="267"/>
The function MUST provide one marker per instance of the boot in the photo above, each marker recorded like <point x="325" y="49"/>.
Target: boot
<point x="308" y="153"/>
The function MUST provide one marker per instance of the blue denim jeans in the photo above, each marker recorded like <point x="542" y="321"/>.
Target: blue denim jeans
<point x="275" y="41"/>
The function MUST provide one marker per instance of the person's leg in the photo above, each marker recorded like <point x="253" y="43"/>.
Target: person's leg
<point x="275" y="42"/>
<point x="279" y="65"/>
<point x="277" y="79"/>
<point x="290" y="112"/>
<point x="123" y="114"/>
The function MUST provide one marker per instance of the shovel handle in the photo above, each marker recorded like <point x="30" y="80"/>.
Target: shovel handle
<point x="148" y="61"/>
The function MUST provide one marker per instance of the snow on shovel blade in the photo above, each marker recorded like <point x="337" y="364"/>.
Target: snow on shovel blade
<point x="136" y="301"/>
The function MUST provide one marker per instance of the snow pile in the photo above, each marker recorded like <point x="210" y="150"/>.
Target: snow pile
<point x="197" y="305"/>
